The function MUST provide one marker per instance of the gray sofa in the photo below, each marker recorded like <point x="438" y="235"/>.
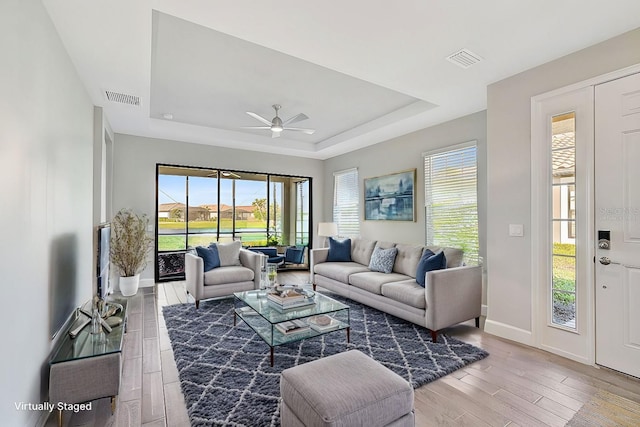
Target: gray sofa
<point x="450" y="296"/>
<point x="222" y="281"/>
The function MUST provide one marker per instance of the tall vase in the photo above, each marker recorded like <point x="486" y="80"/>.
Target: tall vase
<point x="129" y="285"/>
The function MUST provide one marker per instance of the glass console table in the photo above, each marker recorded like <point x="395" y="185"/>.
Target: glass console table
<point x="264" y="317"/>
<point x="87" y="367"/>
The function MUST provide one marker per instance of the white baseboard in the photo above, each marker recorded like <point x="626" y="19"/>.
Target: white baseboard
<point x="509" y="332"/>
<point x="566" y="354"/>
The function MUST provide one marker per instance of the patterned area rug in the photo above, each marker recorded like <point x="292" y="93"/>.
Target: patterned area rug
<point x="225" y="374"/>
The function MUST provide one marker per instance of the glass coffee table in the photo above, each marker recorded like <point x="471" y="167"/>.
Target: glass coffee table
<point x="267" y="320"/>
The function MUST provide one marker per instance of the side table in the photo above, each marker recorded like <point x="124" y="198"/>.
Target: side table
<point x="87" y="367"/>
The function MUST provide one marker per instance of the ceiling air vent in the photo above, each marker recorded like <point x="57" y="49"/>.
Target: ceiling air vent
<point x="122" y="98"/>
<point x="464" y="58"/>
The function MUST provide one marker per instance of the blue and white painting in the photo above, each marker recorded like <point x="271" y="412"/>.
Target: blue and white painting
<point x="390" y="197"/>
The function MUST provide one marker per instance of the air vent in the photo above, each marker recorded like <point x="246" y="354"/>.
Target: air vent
<point x="122" y="98"/>
<point x="464" y="58"/>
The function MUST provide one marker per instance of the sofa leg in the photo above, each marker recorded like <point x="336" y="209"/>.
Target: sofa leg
<point x="477" y="322"/>
<point x="434" y="336"/>
<point x="314" y="287"/>
<point x="197" y="304"/>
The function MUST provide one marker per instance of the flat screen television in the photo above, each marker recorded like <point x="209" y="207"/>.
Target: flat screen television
<point x="103" y="240"/>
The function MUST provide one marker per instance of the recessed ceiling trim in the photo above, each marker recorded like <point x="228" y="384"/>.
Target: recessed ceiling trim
<point x="122" y="98"/>
<point x="464" y="58"/>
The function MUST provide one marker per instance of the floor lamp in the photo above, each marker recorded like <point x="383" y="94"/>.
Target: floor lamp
<point x="327" y="229"/>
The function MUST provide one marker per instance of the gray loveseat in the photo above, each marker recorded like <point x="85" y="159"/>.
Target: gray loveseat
<point x="450" y="296"/>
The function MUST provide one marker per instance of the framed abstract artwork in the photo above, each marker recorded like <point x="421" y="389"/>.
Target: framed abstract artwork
<point x="390" y="197"/>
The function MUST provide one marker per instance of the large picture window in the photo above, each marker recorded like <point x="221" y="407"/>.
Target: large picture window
<point x="198" y="206"/>
<point x="451" y="199"/>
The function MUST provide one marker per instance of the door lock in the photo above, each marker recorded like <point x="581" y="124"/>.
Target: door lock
<point x="604" y="239"/>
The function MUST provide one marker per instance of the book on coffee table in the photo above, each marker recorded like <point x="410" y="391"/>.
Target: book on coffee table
<point x="246" y="311"/>
<point x="292" y="326"/>
<point x="290" y="298"/>
<point x="297" y="304"/>
<point x="285" y="300"/>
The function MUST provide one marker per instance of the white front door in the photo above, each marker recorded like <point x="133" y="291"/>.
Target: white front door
<point x="617" y="210"/>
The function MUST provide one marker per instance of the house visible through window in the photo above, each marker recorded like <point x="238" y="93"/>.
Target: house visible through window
<point x="198" y="206"/>
<point x="346" y="204"/>
<point x="451" y="199"/>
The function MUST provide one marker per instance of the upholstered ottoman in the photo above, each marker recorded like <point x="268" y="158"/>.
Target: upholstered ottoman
<point x="347" y="389"/>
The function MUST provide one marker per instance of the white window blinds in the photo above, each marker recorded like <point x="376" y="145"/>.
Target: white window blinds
<point x="451" y="199"/>
<point x="346" y="202"/>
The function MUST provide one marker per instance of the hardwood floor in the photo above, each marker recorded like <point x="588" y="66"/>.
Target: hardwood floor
<point x="515" y="386"/>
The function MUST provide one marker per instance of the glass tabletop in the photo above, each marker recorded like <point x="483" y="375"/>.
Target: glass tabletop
<point x="86" y="344"/>
<point x="258" y="301"/>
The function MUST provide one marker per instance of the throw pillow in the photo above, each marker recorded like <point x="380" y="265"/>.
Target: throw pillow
<point x="428" y="262"/>
<point x="209" y="256"/>
<point x="339" y="250"/>
<point x="382" y="259"/>
<point x="229" y="253"/>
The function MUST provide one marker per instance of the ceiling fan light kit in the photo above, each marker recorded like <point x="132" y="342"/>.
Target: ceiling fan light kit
<point x="276" y="125"/>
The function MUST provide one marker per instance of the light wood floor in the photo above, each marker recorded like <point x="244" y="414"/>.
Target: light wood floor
<point x="515" y="386"/>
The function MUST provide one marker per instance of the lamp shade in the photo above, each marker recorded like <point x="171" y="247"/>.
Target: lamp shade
<point x="327" y="229"/>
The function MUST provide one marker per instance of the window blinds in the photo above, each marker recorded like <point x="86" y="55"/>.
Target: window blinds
<point x="451" y="199"/>
<point x="346" y="202"/>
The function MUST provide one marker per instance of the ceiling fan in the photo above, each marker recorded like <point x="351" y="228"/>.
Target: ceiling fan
<point x="276" y="125"/>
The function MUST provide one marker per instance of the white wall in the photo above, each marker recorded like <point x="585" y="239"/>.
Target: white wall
<point x="135" y="160"/>
<point x="509" y="169"/>
<point x="404" y="153"/>
<point x="46" y="125"/>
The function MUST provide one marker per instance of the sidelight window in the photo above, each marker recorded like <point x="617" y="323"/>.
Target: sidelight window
<point x="563" y="220"/>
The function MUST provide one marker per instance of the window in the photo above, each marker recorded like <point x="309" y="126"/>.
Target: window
<point x="563" y="219"/>
<point x="451" y="199"/>
<point x="197" y="206"/>
<point x="346" y="204"/>
<point x="302" y="212"/>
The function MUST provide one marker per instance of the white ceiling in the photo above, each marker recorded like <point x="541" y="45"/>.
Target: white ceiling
<point x="364" y="71"/>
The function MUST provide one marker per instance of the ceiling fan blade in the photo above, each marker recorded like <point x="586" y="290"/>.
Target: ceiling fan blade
<point x="275" y="134"/>
<point x="255" y="127"/>
<point x="307" y="131"/>
<point x="260" y="118"/>
<point x="296" y="118"/>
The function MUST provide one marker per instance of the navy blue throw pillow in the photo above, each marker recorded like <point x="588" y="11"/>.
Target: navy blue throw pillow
<point x="428" y="262"/>
<point x="339" y="250"/>
<point x="210" y="257"/>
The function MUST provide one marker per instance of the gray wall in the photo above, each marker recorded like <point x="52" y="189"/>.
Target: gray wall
<point x="509" y="169"/>
<point x="404" y="153"/>
<point x="135" y="159"/>
<point x="46" y="137"/>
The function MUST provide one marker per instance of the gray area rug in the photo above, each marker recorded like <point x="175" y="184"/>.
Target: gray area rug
<point x="225" y="374"/>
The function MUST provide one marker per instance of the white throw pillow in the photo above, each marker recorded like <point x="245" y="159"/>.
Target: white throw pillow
<point x="382" y="259"/>
<point x="229" y="253"/>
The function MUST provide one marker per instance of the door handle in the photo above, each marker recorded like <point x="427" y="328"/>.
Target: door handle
<point x="606" y="261"/>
